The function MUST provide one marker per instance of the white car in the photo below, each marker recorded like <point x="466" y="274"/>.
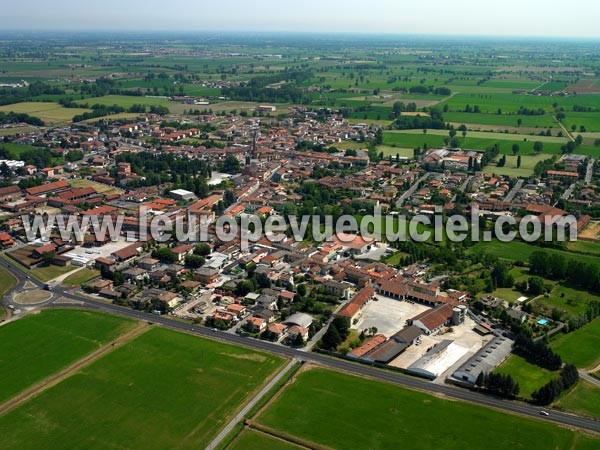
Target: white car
<point x="544" y="413"/>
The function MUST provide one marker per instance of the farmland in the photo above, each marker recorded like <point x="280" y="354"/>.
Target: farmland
<point x="39" y="345"/>
<point x="583" y="399"/>
<point x="473" y="140"/>
<point x="510" y="168"/>
<point x="51" y="113"/>
<point x="254" y="440"/>
<point x="349" y="405"/>
<point x="163" y="389"/>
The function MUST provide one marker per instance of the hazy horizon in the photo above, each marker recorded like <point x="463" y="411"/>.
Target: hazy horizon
<point x="510" y="18"/>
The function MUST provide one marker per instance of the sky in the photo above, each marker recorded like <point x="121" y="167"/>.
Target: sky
<point x="548" y="18"/>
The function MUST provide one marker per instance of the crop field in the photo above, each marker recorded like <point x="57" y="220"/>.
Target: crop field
<point x="589" y="120"/>
<point x="510" y="103"/>
<point x="583" y="399"/>
<point x="507" y="120"/>
<point x="392" y="415"/>
<point x="529" y="376"/>
<point x="38" y="345"/>
<point x="126" y="101"/>
<point x="163" y="389"/>
<point x="51" y="113"/>
<point x="581" y="347"/>
<point x="11" y="131"/>
<point x="473" y="140"/>
<point x="254" y="440"/>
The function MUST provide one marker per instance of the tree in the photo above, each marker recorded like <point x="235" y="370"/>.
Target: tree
<point x="519" y="162"/>
<point x="538" y="146"/>
<point x="48" y="257"/>
<point x="515" y="149"/>
<point x="536" y="285"/>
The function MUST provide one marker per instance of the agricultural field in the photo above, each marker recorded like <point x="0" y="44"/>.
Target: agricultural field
<point x="583" y="399"/>
<point x="349" y="405"/>
<point x="38" y="345"/>
<point x="11" y="131"/>
<point x="503" y="120"/>
<point x="51" y="113"/>
<point x="127" y="101"/>
<point x="474" y="140"/>
<point x="255" y="440"/>
<point x="581" y="347"/>
<point x="529" y="376"/>
<point x="163" y="389"/>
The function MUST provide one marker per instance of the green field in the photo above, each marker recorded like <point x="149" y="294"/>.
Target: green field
<point x="566" y="299"/>
<point x="475" y="140"/>
<point x="529" y="376"/>
<point x="528" y="163"/>
<point x="162" y="390"/>
<point x="581" y="347"/>
<point x="38" y="345"/>
<point x="502" y="120"/>
<point x="255" y="440"/>
<point x="520" y="251"/>
<point x="51" y="113"/>
<point x="583" y="399"/>
<point x="47" y="273"/>
<point x="80" y="277"/>
<point x="365" y="414"/>
<point x="7" y="282"/>
<point x="126" y="101"/>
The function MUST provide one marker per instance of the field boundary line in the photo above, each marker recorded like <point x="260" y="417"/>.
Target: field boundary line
<point x="285" y="436"/>
<point x="53" y="380"/>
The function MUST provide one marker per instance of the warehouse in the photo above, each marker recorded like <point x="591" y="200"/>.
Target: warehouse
<point x="484" y="361"/>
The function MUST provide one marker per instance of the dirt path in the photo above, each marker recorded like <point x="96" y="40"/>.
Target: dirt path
<point x="567" y="132"/>
<point x="53" y="380"/>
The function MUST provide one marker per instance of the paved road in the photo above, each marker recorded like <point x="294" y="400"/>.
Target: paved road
<point x="251" y="404"/>
<point x="335" y="364"/>
<point x="590" y="171"/>
<point x="567" y="194"/>
<point x="411" y="190"/>
<point x="516" y="188"/>
<point x="590" y="379"/>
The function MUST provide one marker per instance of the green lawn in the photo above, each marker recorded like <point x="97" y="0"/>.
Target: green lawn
<point x="528" y="163"/>
<point x="38" y="345"/>
<point x="569" y="300"/>
<point x="47" y="273"/>
<point x="583" y="399"/>
<point x="162" y="390"/>
<point x="365" y="414"/>
<point x="529" y="376"/>
<point x="581" y="347"/>
<point x="7" y="282"/>
<point x="255" y="440"/>
<point x="507" y="120"/>
<point x="80" y="277"/>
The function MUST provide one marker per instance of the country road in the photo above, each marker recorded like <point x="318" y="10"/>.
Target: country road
<point x="332" y="363"/>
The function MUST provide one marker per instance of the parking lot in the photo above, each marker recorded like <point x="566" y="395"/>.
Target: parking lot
<point x="388" y="315"/>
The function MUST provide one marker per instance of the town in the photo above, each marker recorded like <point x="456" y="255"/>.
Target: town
<point x="496" y="318"/>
